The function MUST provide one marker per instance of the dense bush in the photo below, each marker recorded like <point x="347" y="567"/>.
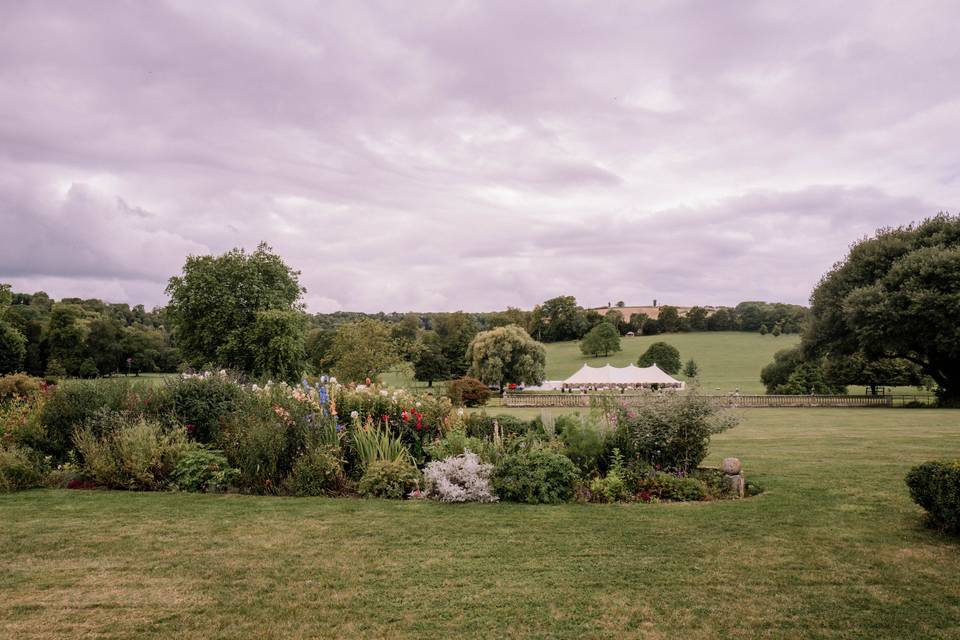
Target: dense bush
<point x="256" y="441"/>
<point x="935" y="486"/>
<point x="202" y="402"/>
<point x="76" y="401"/>
<point x="317" y="472"/>
<point x="482" y="426"/>
<point x="462" y="478"/>
<point x="648" y="483"/>
<point x="715" y="482"/>
<point x="135" y="455"/>
<point x="585" y="439"/>
<point x="393" y="479"/>
<point x="21" y="422"/>
<point x="468" y="392"/>
<point x="672" y="432"/>
<point x="201" y="469"/>
<point x="19" y="385"/>
<point x="457" y="442"/>
<point x="536" y="476"/>
<point x="613" y="486"/>
<point x="19" y="469"/>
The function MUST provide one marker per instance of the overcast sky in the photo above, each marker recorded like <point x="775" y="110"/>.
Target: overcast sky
<point x="471" y="155"/>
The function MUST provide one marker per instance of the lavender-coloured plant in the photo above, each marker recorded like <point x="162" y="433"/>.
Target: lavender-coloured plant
<point x="462" y="478"/>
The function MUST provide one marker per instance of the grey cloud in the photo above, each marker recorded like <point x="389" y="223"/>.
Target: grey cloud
<point x="470" y="155"/>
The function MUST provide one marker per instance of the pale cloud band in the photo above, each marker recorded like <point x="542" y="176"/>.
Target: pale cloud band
<point x="442" y="155"/>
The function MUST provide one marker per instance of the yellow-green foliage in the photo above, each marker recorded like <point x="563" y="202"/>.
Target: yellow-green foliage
<point x="136" y="455"/>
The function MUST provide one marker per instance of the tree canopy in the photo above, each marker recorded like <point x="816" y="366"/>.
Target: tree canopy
<point x="603" y="339"/>
<point x="506" y="355"/>
<point x="896" y="295"/>
<point x="214" y="307"/>
<point x="362" y="350"/>
<point x="664" y="355"/>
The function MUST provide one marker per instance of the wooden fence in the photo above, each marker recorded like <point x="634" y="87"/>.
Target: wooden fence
<point x="573" y="400"/>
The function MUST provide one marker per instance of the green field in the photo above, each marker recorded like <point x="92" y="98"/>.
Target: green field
<point x="728" y="360"/>
<point x="833" y="549"/>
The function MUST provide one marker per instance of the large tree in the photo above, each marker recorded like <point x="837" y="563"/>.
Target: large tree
<point x="429" y="363"/>
<point x="506" y="355"/>
<point x="66" y="336"/>
<point x="669" y="319"/>
<point x="13" y="344"/>
<point x="215" y="306"/>
<point x="560" y="319"/>
<point x="896" y="295"/>
<point x="664" y="355"/>
<point x="603" y="339"/>
<point x="362" y="350"/>
<point x="103" y="344"/>
<point x="454" y="332"/>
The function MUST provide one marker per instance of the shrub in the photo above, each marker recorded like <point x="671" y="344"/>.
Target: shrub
<point x="19" y="385"/>
<point x="255" y="441"/>
<point x="481" y="425"/>
<point x="317" y="472"/>
<point x="535" y="476"/>
<point x="21" y="422"/>
<point x="202" y="402"/>
<point x="635" y="476"/>
<point x="683" y="489"/>
<point x="19" y="469"/>
<point x="393" y="479"/>
<point x="935" y="486"/>
<point x="88" y="369"/>
<point x="753" y="488"/>
<point x="201" y="469"/>
<point x="668" y="486"/>
<point x="671" y="432"/>
<point x="468" y="392"/>
<point x="74" y="402"/>
<point x="462" y="478"/>
<point x="137" y="455"/>
<point x="585" y="441"/>
<point x="612" y="487"/>
<point x="715" y="482"/>
<point x="457" y="442"/>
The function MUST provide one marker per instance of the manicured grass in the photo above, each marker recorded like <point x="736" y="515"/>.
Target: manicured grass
<point x="834" y="549"/>
<point x="728" y="360"/>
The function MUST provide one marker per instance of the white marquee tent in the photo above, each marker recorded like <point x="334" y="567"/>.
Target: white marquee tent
<point x="628" y="376"/>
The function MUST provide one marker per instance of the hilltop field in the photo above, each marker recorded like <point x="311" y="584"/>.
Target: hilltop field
<point x="728" y="360"/>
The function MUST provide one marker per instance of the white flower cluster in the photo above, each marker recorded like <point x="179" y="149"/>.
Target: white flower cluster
<point x="460" y="478"/>
<point x="204" y="375"/>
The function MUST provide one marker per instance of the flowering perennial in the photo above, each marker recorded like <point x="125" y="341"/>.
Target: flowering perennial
<point x="460" y="478"/>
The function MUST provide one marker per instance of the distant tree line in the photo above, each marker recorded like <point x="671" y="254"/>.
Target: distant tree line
<point x="78" y="337"/>
<point x="243" y="311"/>
<point x="561" y="318"/>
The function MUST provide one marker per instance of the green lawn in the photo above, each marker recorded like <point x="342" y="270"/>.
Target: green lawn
<point x="834" y="549"/>
<point x="728" y="360"/>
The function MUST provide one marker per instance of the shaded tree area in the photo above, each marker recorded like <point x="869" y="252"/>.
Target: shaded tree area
<point x="82" y="337"/>
<point x="895" y="296"/>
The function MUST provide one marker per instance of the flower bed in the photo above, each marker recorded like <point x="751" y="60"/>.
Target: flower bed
<point x="210" y="433"/>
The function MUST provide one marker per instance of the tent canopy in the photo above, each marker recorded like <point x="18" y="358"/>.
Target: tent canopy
<point x="630" y="375"/>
